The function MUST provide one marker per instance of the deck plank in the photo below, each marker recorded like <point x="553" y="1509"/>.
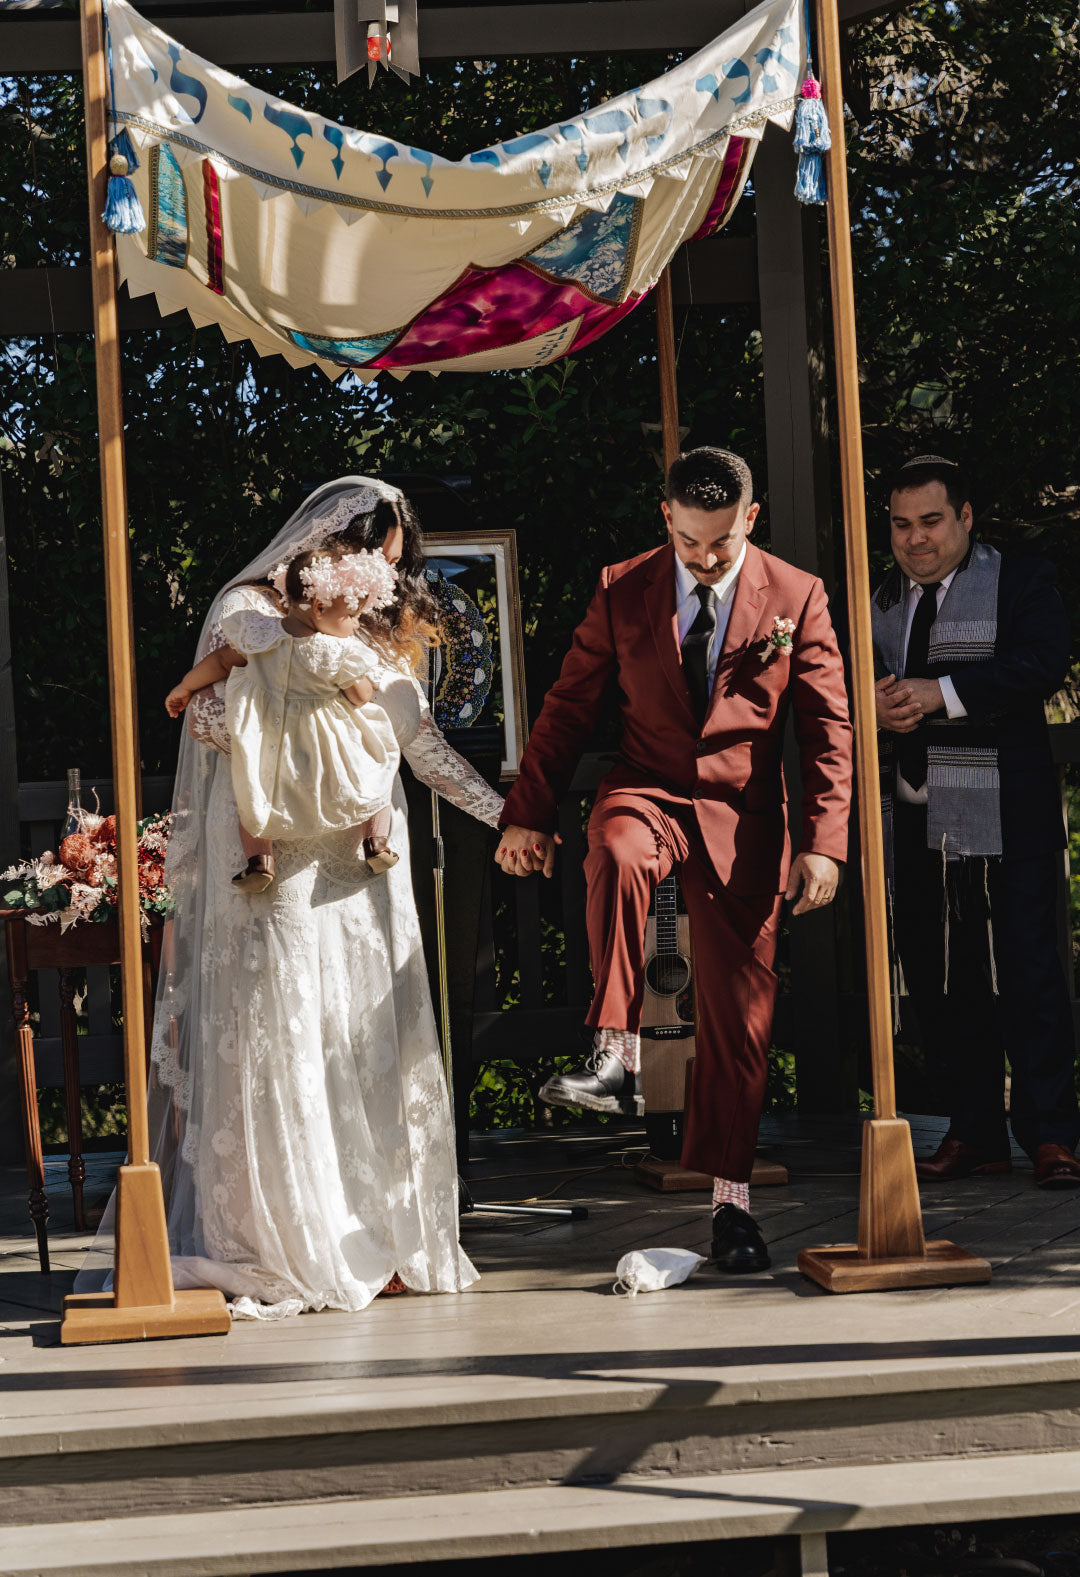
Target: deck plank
<point x="630" y="1511"/>
<point x="542" y="1336"/>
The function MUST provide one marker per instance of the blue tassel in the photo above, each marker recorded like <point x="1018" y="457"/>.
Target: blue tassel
<point x="810" y="180"/>
<point x="811" y="140"/>
<point x="123" y="145"/>
<point x="123" y="211"/>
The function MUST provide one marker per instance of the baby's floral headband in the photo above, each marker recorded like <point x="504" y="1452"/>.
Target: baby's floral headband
<point x="365" y="580"/>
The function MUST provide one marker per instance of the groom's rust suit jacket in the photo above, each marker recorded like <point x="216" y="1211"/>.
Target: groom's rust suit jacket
<point x="731" y="767"/>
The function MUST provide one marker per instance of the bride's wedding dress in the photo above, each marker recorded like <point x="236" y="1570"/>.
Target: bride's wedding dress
<point x="315" y="1154"/>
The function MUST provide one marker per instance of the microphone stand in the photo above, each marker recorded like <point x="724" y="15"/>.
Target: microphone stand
<point x="467" y="1205"/>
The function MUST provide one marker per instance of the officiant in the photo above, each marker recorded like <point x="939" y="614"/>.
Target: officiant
<point x="968" y="644"/>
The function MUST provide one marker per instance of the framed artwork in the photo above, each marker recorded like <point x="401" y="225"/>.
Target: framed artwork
<point x="478" y="682"/>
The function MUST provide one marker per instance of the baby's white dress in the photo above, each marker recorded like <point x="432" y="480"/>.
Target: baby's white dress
<point x="304" y="759"/>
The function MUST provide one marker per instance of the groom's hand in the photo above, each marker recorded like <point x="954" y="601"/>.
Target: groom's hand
<point x="522" y="851"/>
<point x="818" y="876"/>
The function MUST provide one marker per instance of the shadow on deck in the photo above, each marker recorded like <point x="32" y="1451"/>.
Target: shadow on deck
<point x="729" y="1407"/>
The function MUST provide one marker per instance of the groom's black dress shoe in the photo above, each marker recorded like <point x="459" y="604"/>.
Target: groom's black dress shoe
<point x="737" y="1245"/>
<point x="603" y="1085"/>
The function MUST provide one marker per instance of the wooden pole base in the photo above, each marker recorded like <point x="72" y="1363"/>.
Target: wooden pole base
<point x="144" y="1303"/>
<point x="843" y="1269"/>
<point x="94" y="1317"/>
<point x="891" y="1251"/>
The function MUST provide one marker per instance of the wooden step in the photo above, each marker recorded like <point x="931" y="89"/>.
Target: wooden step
<point x="630" y="1512"/>
<point x="278" y="1433"/>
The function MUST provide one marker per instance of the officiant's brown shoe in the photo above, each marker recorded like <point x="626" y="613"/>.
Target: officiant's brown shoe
<point x="1056" y="1167"/>
<point x="257" y="875"/>
<point x="952" y="1160"/>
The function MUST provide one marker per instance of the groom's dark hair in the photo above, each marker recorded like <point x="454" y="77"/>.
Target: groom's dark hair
<point x="709" y="478"/>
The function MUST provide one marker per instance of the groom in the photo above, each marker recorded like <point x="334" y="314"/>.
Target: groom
<point x="710" y="645"/>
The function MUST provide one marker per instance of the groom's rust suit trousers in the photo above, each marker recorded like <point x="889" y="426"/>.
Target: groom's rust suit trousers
<point x="706" y="796"/>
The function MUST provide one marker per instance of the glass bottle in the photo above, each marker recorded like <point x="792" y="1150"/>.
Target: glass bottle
<point x="73" y="818"/>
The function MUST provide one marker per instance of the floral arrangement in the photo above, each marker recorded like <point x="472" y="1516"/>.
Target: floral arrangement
<point x="364" y="580"/>
<point x="779" y="638"/>
<point x="79" y="882"/>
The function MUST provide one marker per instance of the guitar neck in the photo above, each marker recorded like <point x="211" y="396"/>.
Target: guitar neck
<point x="666" y="910"/>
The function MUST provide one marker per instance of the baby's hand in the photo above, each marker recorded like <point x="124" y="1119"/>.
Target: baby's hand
<point x="177" y="700"/>
<point x="361" y="691"/>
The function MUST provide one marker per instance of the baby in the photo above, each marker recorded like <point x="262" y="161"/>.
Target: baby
<point x="311" y="753"/>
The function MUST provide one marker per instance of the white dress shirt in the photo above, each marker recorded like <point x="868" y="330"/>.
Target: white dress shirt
<point x="953" y="704"/>
<point x="688" y="606"/>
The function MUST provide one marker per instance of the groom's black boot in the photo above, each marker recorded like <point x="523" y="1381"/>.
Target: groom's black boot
<point x="603" y="1085"/>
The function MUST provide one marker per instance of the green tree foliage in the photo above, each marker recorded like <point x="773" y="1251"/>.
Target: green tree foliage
<point x="967" y="237"/>
<point x="963" y="139"/>
<point x="963" y="160"/>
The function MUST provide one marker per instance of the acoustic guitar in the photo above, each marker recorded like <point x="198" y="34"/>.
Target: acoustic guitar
<point x="667" y="1020"/>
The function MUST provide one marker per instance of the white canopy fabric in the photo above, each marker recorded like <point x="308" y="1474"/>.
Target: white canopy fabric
<point x="354" y="251"/>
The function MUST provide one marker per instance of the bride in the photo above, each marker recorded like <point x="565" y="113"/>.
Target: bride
<point x="297" y="1102"/>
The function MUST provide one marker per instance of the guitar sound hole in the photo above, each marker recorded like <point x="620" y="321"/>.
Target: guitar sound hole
<point x="667" y="974"/>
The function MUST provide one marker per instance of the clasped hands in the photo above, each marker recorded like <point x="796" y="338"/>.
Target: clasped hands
<point x="903" y="703"/>
<point x="522" y="851"/>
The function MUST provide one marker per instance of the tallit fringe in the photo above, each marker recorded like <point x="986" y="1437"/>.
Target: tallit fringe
<point x="945" y="896"/>
<point x="990" y="928"/>
<point x="894" y="953"/>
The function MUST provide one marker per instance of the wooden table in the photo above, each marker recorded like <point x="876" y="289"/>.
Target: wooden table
<point x="29" y="947"/>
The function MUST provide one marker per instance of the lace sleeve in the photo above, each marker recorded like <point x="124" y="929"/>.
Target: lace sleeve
<point x="437" y="763"/>
<point x="206" y="713"/>
<point x="250" y="631"/>
<point x="206" y="710"/>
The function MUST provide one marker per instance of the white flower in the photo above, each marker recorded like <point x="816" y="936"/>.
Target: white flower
<point x="779" y="638"/>
<point x="224" y="1142"/>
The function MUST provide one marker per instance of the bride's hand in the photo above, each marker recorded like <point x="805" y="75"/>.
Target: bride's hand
<point x="522" y="851"/>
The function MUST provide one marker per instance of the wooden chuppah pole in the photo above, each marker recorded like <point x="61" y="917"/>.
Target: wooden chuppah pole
<point x="891" y="1251"/>
<point x="665" y="361"/>
<point x="144" y="1302"/>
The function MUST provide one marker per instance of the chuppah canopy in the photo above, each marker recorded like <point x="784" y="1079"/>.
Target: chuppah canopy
<point x="355" y="251"/>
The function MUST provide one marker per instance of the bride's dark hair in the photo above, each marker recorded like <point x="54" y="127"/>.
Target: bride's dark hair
<point x="407" y="626"/>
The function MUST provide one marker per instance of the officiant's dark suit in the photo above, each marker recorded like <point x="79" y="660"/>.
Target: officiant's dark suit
<point x="706" y="793"/>
<point x="981" y="922"/>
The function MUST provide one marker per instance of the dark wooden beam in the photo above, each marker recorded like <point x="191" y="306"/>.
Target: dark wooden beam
<point x="37" y="301"/>
<point x="719" y="271"/>
<point x="800" y="530"/>
<point x="10" y="1126"/>
<point x="793" y="357"/>
<point x="38" y="38"/>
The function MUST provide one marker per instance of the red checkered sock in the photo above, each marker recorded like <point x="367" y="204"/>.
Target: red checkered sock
<point x="728" y="1193"/>
<point x="625" y="1043"/>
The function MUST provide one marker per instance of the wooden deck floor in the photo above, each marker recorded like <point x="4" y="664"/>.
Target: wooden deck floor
<point x="1031" y="1237"/>
<point x="539" y="1376"/>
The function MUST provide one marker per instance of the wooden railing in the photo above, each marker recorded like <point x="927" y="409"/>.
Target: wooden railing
<point x="519" y="962"/>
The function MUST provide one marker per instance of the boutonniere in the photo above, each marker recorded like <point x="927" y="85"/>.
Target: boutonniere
<point x="779" y="638"/>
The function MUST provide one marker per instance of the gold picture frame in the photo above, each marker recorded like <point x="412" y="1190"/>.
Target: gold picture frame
<point x="484" y="566"/>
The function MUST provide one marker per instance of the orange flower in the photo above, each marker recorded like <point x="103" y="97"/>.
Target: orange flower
<point x="78" y="852"/>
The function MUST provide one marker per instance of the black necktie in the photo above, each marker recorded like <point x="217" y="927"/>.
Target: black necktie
<point x="695" y="652"/>
<point x="911" y="755"/>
